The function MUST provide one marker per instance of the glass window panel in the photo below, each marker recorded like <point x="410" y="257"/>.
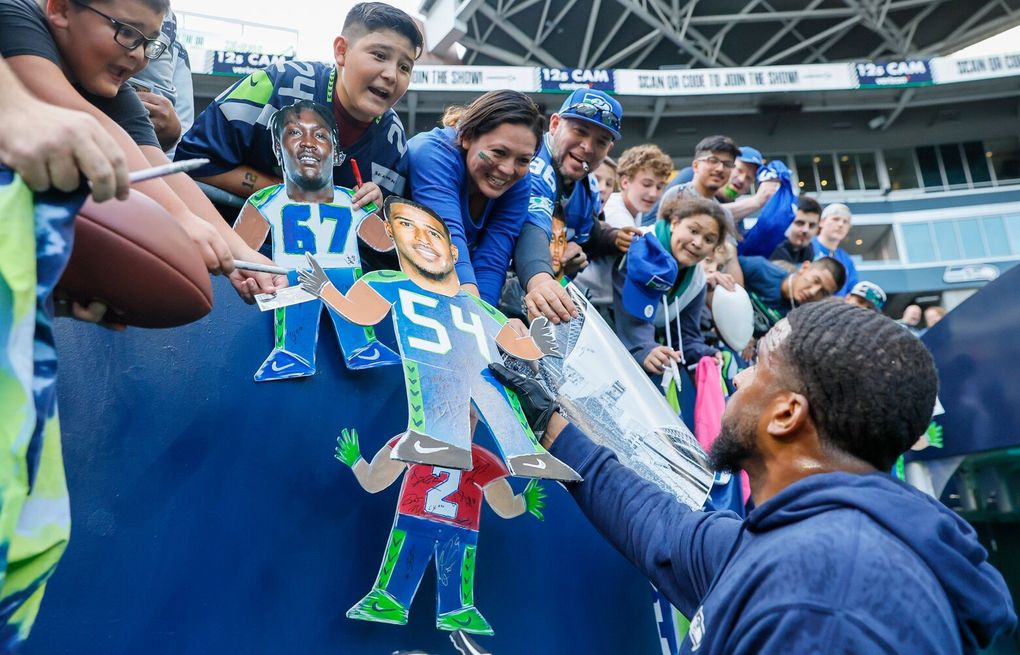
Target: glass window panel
<point x="1013" y="232"/>
<point x="866" y="162"/>
<point x="931" y="175"/>
<point x="1005" y="157"/>
<point x="995" y="236"/>
<point x="848" y="169"/>
<point x="805" y="173"/>
<point x="900" y="166"/>
<point x="917" y="238"/>
<point x="953" y="164"/>
<point x="826" y="172"/>
<point x="977" y="162"/>
<point x="970" y="236"/>
<point x="945" y="237"/>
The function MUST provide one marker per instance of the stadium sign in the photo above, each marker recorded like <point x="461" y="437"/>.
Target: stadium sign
<point x="232" y="62"/>
<point x="882" y="74"/>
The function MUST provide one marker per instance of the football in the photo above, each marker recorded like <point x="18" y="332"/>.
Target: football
<point x="132" y="256"/>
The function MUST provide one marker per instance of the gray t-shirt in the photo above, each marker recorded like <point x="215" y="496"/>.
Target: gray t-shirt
<point x="24" y="31"/>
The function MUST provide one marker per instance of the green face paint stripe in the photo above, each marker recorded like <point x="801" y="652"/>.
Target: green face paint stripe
<point x="393" y="549"/>
<point x="256" y="88"/>
<point x="279" y="327"/>
<point x="467" y="577"/>
<point x="415" y="406"/>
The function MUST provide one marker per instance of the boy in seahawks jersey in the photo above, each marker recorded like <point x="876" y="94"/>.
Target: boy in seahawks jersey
<point x="438" y="516"/>
<point x="447" y="339"/>
<point x="374" y="54"/>
<point x="308" y="214"/>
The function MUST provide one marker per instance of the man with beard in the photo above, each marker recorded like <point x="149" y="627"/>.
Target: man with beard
<point x="308" y="214"/>
<point x="837" y="555"/>
<point x="715" y="158"/>
<point x="447" y="339"/>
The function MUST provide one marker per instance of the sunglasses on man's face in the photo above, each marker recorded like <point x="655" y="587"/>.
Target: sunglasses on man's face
<point x="603" y="116"/>
<point x="130" y="37"/>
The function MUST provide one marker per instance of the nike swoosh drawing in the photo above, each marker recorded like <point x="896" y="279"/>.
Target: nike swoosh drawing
<point x="376" y="607"/>
<point x="372" y="358"/>
<point x="464" y="622"/>
<point x="424" y="450"/>
<point x="540" y="466"/>
<point x="277" y="368"/>
<point x="253" y="82"/>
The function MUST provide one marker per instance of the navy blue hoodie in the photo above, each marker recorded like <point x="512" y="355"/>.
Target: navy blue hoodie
<point x="835" y="563"/>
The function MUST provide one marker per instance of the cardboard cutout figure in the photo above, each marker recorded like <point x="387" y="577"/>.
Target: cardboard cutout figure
<point x="438" y="516"/>
<point x="558" y="246"/>
<point x="447" y="339"/>
<point x="308" y="214"/>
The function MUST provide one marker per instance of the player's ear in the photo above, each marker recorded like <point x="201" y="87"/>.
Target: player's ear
<point x="340" y="46"/>
<point x="389" y="231"/>
<point x="453" y="251"/>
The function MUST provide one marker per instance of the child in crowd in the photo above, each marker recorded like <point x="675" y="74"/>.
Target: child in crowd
<point x="608" y="179"/>
<point x="79" y="55"/>
<point x="690" y="229"/>
<point x="374" y="55"/>
<point x="643" y="170"/>
<point x="473" y="173"/>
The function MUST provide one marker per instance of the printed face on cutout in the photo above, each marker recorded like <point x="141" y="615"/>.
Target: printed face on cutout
<point x="422" y="241"/>
<point x="558" y="245"/>
<point x="307" y="149"/>
<point x="693" y="238"/>
<point x="575" y="143"/>
<point x="497" y="159"/>
<point x="98" y="63"/>
<point x="375" y="71"/>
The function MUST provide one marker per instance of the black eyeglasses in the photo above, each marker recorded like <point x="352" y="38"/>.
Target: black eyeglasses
<point x="130" y="37"/>
<point x="712" y="160"/>
<point x="588" y="110"/>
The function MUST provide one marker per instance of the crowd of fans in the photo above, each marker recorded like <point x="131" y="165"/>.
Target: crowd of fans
<point x="530" y="201"/>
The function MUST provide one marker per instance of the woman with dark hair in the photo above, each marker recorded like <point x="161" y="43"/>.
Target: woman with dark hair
<point x="473" y="173"/>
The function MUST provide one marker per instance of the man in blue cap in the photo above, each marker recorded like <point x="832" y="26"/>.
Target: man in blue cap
<point x="580" y="136"/>
<point x="745" y="164"/>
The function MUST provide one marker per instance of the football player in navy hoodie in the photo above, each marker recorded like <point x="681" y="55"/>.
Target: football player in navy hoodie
<point x="837" y="556"/>
<point x="374" y="54"/>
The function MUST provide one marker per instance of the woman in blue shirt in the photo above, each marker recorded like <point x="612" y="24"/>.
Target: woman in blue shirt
<point x="473" y="173"/>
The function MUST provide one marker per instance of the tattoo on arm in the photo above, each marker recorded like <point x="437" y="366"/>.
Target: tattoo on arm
<point x="249" y="180"/>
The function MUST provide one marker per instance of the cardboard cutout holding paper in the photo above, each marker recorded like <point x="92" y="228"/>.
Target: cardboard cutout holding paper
<point x="447" y="338"/>
<point x="438" y="516"/>
<point x="308" y="214"/>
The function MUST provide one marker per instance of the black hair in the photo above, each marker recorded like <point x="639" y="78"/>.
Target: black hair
<point x="835" y="267"/>
<point x="717" y="143"/>
<point x="679" y="207"/>
<point x="492" y="109"/>
<point x="397" y="200"/>
<point x="367" y="17"/>
<point x="279" y="119"/>
<point x="870" y="384"/>
<point x="158" y="6"/>
<point x="809" y="205"/>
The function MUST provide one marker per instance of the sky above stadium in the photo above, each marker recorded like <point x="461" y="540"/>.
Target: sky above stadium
<point x="317" y="29"/>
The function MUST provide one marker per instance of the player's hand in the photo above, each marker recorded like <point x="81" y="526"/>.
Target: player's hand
<point x="314" y="280"/>
<point x="547" y="298"/>
<point x="164" y="118"/>
<point x="765" y="192"/>
<point x="625" y="236"/>
<point x="542" y="333"/>
<point x="534" y="499"/>
<point x="659" y="358"/>
<point x="52" y="146"/>
<point x="366" y="193"/>
<point x="725" y="279"/>
<point x="211" y="246"/>
<point x="536" y="400"/>
<point x="574" y="259"/>
<point x="348" y="450"/>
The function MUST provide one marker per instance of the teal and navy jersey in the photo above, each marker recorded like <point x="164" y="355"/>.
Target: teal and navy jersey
<point x="233" y="129"/>
<point x="457" y="333"/>
<point x="328" y="230"/>
<point x="578" y="210"/>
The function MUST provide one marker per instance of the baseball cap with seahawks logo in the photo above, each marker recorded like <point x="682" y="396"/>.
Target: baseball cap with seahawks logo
<point x="651" y="273"/>
<point x="595" y="107"/>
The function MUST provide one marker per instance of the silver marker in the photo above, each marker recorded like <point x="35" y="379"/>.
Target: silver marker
<point x="166" y="169"/>
<point x="258" y="268"/>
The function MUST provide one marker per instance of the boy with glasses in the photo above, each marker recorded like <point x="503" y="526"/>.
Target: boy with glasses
<point x="79" y="54"/>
